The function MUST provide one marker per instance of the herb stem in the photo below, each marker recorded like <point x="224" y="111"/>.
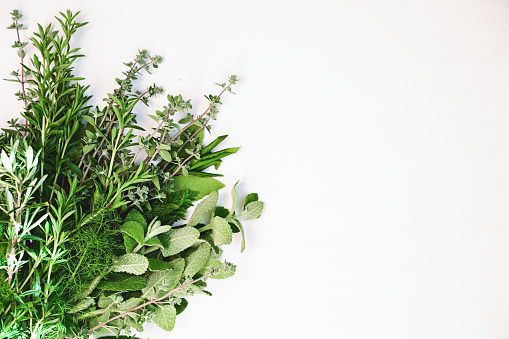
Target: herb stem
<point x="156" y="300"/>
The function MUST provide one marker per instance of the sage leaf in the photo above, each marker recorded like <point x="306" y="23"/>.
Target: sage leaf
<point x="197" y="259"/>
<point x="158" y="265"/>
<point x="128" y="304"/>
<point x="164" y="317"/>
<point x="205" y="206"/>
<point x="157" y="231"/>
<point x="221" y="231"/>
<point x="131" y="263"/>
<point x="253" y="210"/>
<point x="180" y="239"/>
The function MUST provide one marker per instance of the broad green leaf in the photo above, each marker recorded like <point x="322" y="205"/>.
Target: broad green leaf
<point x="131" y="263"/>
<point x="221" y="231"/>
<point x="158" y="265"/>
<point x="250" y="198"/>
<point x="129" y="243"/>
<point x="164" y="317"/>
<point x="179" y="264"/>
<point x="182" y="306"/>
<point x="157" y="231"/>
<point x="205" y="206"/>
<point x="180" y="239"/>
<point x="159" y="279"/>
<point x="122" y="282"/>
<point x="135" y="230"/>
<point x="127" y="305"/>
<point x="135" y="215"/>
<point x="204" y="186"/>
<point x="105" y="301"/>
<point x="253" y="210"/>
<point x="161" y="241"/>
<point x="165" y="155"/>
<point x="197" y="259"/>
<point x="222" y="212"/>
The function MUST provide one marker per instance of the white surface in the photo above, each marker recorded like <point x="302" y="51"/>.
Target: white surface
<point x="376" y="132"/>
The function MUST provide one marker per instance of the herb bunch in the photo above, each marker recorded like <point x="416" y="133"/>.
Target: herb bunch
<point x="93" y="230"/>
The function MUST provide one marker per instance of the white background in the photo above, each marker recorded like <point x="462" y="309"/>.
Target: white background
<point x="376" y="132"/>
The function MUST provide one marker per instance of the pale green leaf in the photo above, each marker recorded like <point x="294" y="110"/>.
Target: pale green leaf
<point x="205" y="206"/>
<point x="221" y="231"/>
<point x="157" y="231"/>
<point x="180" y="239"/>
<point x="131" y="263"/>
<point x="239" y="225"/>
<point x="197" y="259"/>
<point x="127" y="305"/>
<point x="164" y="317"/>
<point x="253" y="210"/>
<point x="104" y="301"/>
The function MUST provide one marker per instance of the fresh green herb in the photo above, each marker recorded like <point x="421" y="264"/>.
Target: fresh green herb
<point x="93" y="234"/>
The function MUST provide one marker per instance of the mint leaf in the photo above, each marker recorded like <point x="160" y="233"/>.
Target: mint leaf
<point x="250" y="198"/>
<point x="129" y="243"/>
<point x="131" y="263"/>
<point x="164" y="317"/>
<point x="135" y="230"/>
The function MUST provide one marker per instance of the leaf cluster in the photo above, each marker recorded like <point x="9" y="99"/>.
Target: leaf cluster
<point x="93" y="210"/>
